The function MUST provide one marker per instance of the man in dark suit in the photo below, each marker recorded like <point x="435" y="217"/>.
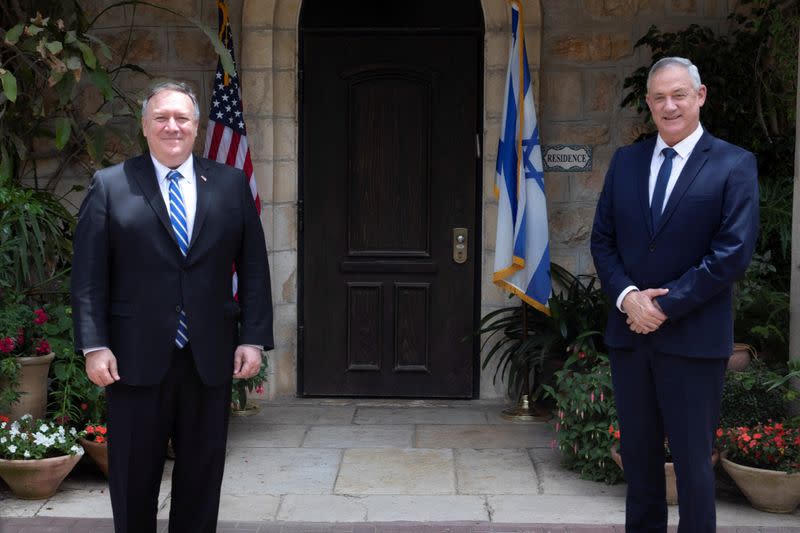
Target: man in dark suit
<point x="675" y="226"/>
<point x="154" y="312"/>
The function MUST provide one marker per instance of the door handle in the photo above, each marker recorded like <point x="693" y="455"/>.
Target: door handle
<point x="460" y="245"/>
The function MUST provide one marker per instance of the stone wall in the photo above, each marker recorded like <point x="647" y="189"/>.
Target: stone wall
<point x="580" y="52"/>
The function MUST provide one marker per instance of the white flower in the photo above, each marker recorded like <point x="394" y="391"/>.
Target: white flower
<point x="44" y="428"/>
<point x="12" y="448"/>
<point x="72" y="431"/>
<point x="27" y="454"/>
<point x="76" y="449"/>
<point x="3" y="440"/>
<point x="26" y="416"/>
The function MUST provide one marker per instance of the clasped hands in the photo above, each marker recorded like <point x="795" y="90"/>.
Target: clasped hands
<point x="644" y="313"/>
<point x="101" y="365"/>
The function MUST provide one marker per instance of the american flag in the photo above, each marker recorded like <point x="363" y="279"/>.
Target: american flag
<point x="226" y="136"/>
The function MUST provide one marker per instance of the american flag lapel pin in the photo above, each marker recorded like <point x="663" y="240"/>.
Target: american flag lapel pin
<point x="202" y="177"/>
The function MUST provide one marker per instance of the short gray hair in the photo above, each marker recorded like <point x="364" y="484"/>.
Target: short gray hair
<point x="170" y="85"/>
<point x="679" y="62"/>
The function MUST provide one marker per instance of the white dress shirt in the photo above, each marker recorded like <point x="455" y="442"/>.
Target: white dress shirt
<point x="684" y="149"/>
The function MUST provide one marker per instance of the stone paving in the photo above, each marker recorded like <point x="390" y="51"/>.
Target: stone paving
<point x="351" y="466"/>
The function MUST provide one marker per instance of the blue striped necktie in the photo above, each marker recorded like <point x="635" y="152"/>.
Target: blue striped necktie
<point x="177" y="214"/>
<point x="660" y="190"/>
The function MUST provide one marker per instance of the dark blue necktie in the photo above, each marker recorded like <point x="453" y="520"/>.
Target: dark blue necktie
<point x="657" y="204"/>
<point x="177" y="214"/>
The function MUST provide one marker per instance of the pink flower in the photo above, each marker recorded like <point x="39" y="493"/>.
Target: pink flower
<point x="260" y="389"/>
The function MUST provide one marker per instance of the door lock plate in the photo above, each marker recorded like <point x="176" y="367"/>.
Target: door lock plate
<point x="460" y="245"/>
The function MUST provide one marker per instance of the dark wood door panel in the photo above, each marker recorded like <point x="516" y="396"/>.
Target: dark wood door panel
<point x="388" y="170"/>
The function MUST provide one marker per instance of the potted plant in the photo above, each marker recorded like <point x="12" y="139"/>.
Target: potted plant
<point x="25" y="357"/>
<point x="36" y="456"/>
<point x="764" y="462"/>
<point x="585" y="410"/>
<point x="95" y="442"/>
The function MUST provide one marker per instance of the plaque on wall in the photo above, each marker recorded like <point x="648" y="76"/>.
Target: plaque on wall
<point x="567" y="157"/>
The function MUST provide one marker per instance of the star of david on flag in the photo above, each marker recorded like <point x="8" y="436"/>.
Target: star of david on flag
<point x="522" y="249"/>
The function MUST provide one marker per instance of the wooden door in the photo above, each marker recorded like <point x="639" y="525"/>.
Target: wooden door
<point x="389" y="171"/>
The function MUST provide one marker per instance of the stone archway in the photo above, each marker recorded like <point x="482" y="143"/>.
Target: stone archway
<point x="269" y="73"/>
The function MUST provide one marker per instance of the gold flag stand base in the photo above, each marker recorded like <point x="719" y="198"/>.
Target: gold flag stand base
<point x="524" y="411"/>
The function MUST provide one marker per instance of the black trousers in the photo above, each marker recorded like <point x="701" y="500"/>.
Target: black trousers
<point x="140" y="422"/>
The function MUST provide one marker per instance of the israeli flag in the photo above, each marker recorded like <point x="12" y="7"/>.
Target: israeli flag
<point x="522" y="250"/>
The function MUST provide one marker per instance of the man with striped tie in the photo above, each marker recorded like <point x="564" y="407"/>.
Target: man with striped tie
<point x="154" y="314"/>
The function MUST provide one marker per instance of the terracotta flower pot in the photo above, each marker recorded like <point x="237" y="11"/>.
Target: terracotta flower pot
<point x="32" y="386"/>
<point x="766" y="490"/>
<point x="98" y="451"/>
<point x="741" y="357"/>
<point x="36" y="479"/>
<point x="669" y="474"/>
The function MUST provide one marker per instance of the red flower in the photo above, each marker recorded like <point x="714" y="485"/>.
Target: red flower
<point x="100" y="439"/>
<point x="41" y="316"/>
<point x="90" y="430"/>
<point x="6" y="344"/>
<point x="720" y="432"/>
<point x="102" y="430"/>
<point x="84" y="406"/>
<point x="43" y="347"/>
<point x="4" y="418"/>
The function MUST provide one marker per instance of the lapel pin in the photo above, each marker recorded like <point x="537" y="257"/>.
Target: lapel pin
<point x="202" y="177"/>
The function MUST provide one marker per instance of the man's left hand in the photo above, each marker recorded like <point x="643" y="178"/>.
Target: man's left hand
<point x="246" y="362"/>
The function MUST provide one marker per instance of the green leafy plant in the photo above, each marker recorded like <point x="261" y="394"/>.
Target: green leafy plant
<point x="757" y="394"/>
<point x="242" y="386"/>
<point x="577" y="305"/>
<point x="585" y="410"/>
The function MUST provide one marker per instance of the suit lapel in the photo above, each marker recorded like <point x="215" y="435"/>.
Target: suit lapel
<point x="145" y="175"/>
<point x="204" y="184"/>
<point x="696" y="161"/>
<point x="642" y="177"/>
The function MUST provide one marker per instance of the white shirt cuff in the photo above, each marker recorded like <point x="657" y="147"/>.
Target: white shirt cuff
<point x="87" y="351"/>
<point x="622" y="296"/>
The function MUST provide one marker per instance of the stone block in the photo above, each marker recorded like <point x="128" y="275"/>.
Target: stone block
<point x="556" y="188"/>
<point x="563" y="96"/>
<point x="496" y="15"/>
<point x="287" y="14"/>
<point x="576" y="133"/>
<point x="362" y="436"/>
<point x="477" y="437"/>
<point x="532" y="12"/>
<point x="244" y="434"/>
<point x="603" y="92"/>
<point x="267" y="224"/>
<point x="489" y="173"/>
<point x="322" y="508"/>
<point x="263" y="172"/>
<point x="565" y="257"/>
<point x="258" y="13"/>
<point x="265" y="471"/>
<point x="615" y="10"/>
<point x="545" y="509"/>
<point x="590" y="47"/>
<point x="533" y="46"/>
<point x="417" y="415"/>
<point x="257" y="95"/>
<point x="284" y="277"/>
<point x="285" y="227"/>
<point x="249" y="508"/>
<point x="586" y="186"/>
<point x="257" y="47"/>
<point x="683" y="7"/>
<point x="285" y="139"/>
<point x="496" y="50"/>
<point x="396" y="471"/>
<point x="285" y="180"/>
<point x="282" y="376"/>
<point x="441" y="508"/>
<point x="559" y="14"/>
<point x="148" y="46"/>
<point x="495" y="83"/>
<point x="152" y="16"/>
<point x="499" y="471"/>
<point x="191" y="48"/>
<point x="286" y="93"/>
<point x="285" y="327"/>
<point x="260" y="135"/>
<point x="571" y="224"/>
<point x="631" y="129"/>
<point x="489" y="226"/>
<point x="285" y="49"/>
<point x="78" y="504"/>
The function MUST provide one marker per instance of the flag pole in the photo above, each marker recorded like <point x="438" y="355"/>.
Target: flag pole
<point x="525" y="410"/>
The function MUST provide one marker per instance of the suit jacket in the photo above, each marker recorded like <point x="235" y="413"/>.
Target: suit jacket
<point x="130" y="279"/>
<point x="703" y="243"/>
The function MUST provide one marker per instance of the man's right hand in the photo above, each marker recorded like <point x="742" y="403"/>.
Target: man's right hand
<point x="101" y="367"/>
<point x="644" y="316"/>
